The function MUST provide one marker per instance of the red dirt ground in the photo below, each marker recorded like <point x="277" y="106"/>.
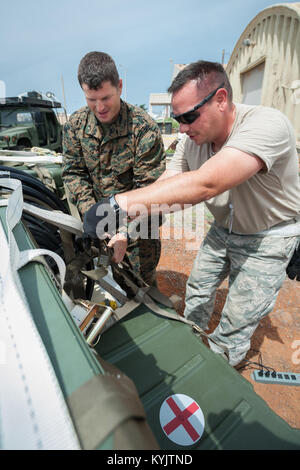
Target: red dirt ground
<point x="277" y="337"/>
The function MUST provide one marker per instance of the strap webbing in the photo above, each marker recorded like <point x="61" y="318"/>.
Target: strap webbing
<point x="143" y="295"/>
<point x="33" y="413"/>
<point x="100" y="407"/>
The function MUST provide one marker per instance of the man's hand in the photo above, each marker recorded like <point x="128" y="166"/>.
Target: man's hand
<point x="103" y="218"/>
<point x="119" y="244"/>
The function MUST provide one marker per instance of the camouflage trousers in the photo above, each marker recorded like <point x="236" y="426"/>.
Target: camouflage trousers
<point x="256" y="269"/>
<point x="142" y="257"/>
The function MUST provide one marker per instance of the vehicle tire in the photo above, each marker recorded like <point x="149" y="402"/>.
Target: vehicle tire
<point x="23" y="144"/>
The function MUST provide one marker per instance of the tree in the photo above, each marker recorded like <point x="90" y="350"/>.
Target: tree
<point x="143" y="106"/>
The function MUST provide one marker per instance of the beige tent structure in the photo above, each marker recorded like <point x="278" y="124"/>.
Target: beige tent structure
<point x="264" y="67"/>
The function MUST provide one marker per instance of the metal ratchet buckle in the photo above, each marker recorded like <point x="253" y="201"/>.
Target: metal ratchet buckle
<point x="95" y="320"/>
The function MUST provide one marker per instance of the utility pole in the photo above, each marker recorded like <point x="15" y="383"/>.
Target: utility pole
<point x="171" y="65"/>
<point x="125" y="82"/>
<point x="223" y="56"/>
<point x="64" y="97"/>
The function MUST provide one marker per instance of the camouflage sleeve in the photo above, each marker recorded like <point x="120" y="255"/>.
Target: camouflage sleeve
<point x="74" y="172"/>
<point x="149" y="157"/>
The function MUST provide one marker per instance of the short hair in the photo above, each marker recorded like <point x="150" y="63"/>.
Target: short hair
<point x="208" y="74"/>
<point x="96" y="68"/>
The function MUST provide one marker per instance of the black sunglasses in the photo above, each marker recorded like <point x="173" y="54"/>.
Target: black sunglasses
<point x="190" y="116"/>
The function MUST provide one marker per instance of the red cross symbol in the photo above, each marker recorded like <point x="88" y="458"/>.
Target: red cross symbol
<point x="181" y="418"/>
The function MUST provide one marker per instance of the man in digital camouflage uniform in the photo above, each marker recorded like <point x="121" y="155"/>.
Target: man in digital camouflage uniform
<point x="242" y="161"/>
<point x="109" y="147"/>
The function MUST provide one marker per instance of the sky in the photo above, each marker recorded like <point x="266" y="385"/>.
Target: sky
<point x="43" y="41"/>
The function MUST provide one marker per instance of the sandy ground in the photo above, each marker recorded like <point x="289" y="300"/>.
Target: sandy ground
<point x="277" y="338"/>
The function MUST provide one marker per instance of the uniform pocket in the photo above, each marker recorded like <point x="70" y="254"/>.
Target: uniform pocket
<point x="91" y="157"/>
<point x="124" y="177"/>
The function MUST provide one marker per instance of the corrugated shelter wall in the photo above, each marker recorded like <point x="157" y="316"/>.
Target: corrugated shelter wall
<point x="271" y="41"/>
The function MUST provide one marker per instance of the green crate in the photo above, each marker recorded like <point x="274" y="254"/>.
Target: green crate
<point x="165" y="357"/>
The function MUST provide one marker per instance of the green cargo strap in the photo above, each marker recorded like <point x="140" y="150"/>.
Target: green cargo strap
<point x="73" y="225"/>
<point x="144" y="295"/>
<point x="147" y="295"/>
<point x="97" y="276"/>
<point x="112" y="400"/>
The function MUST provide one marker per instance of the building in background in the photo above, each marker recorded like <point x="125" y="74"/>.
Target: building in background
<point x="163" y="100"/>
<point x="264" y="67"/>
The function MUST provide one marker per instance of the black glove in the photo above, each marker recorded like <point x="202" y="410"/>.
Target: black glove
<point x="103" y="218"/>
<point x="293" y="268"/>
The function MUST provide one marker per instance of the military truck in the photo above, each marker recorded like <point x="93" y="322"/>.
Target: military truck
<point x="29" y="121"/>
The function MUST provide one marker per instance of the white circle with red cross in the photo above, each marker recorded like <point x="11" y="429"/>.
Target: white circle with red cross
<point x="181" y="419"/>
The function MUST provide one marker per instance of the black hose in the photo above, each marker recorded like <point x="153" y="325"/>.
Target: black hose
<point x="30" y="219"/>
<point x="44" y="238"/>
<point x="31" y="181"/>
<point x="38" y="196"/>
<point x="45" y="235"/>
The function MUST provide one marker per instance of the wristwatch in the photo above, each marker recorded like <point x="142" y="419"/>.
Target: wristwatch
<point x="121" y="217"/>
<point x="114" y="204"/>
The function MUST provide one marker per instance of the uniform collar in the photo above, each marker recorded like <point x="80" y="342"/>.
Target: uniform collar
<point x="118" y="128"/>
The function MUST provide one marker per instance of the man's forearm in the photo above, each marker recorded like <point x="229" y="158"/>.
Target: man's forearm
<point x="225" y="170"/>
<point x="176" y="190"/>
<point x="167" y="174"/>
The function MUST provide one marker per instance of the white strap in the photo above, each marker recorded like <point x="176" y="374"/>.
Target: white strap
<point x="33" y="413"/>
<point x="28" y="157"/>
<point x="61" y="220"/>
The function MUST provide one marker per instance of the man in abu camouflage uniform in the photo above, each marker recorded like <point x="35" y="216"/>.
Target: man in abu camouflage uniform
<point x="110" y="146"/>
<point x="242" y="161"/>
